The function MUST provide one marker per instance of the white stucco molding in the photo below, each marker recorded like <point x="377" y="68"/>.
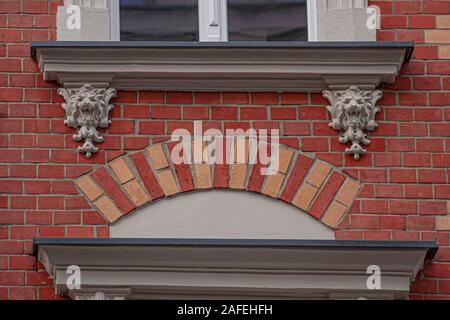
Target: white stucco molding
<point x="94" y="17"/>
<point x="345" y="20"/>
<point x="233" y="269"/>
<point x="244" y="66"/>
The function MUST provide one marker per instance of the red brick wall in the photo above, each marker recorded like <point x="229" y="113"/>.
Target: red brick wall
<point x="405" y="173"/>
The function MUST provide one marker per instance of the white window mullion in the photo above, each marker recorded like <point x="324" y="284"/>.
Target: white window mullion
<point x="312" y="20"/>
<point x="114" y="11"/>
<point x="212" y="17"/>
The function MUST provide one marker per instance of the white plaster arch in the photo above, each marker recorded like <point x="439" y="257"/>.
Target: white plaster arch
<point x="220" y="214"/>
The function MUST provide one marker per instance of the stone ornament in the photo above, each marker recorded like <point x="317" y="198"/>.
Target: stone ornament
<point x="352" y="111"/>
<point x="87" y="108"/>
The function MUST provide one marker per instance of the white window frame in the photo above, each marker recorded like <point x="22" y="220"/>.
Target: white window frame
<point x="114" y="10"/>
<point x="213" y="20"/>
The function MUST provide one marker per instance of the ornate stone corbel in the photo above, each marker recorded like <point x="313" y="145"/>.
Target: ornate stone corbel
<point x="352" y="111"/>
<point x="87" y="108"/>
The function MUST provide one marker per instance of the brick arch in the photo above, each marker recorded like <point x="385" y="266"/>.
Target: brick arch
<point x="134" y="180"/>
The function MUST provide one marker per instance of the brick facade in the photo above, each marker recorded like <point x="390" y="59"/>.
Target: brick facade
<point x="404" y="177"/>
<point x="131" y="181"/>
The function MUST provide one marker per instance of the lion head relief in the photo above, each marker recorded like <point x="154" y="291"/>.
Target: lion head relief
<point x="352" y="111"/>
<point x="87" y="108"/>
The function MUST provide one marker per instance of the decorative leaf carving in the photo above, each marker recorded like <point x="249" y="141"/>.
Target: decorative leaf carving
<point x="87" y="108"/>
<point x="353" y="111"/>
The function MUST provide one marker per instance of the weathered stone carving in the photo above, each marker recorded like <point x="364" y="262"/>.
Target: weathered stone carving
<point x="352" y="111"/>
<point x="87" y="108"/>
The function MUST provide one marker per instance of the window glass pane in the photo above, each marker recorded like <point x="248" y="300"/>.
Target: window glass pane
<point x="159" y="20"/>
<point x="267" y="20"/>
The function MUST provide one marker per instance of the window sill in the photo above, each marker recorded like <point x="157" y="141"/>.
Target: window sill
<point x="168" y="268"/>
<point x="231" y="66"/>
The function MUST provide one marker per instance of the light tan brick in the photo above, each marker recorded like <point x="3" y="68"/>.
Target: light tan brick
<point x="203" y="178"/>
<point x="108" y="209"/>
<point x="319" y="174"/>
<point x="89" y="187"/>
<point x="443" y="22"/>
<point x="136" y="192"/>
<point x="443" y="223"/>
<point x="121" y="170"/>
<point x="437" y="36"/>
<point x="237" y="176"/>
<point x="167" y="183"/>
<point x="224" y="153"/>
<point x="158" y="157"/>
<point x="198" y="149"/>
<point x="444" y="52"/>
<point x="304" y="196"/>
<point x="334" y="214"/>
<point x="241" y="150"/>
<point x="347" y="192"/>
<point x="283" y="160"/>
<point x="273" y="185"/>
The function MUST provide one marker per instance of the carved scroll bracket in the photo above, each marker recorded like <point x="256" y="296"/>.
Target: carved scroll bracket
<point x="353" y="111"/>
<point x="87" y="108"/>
